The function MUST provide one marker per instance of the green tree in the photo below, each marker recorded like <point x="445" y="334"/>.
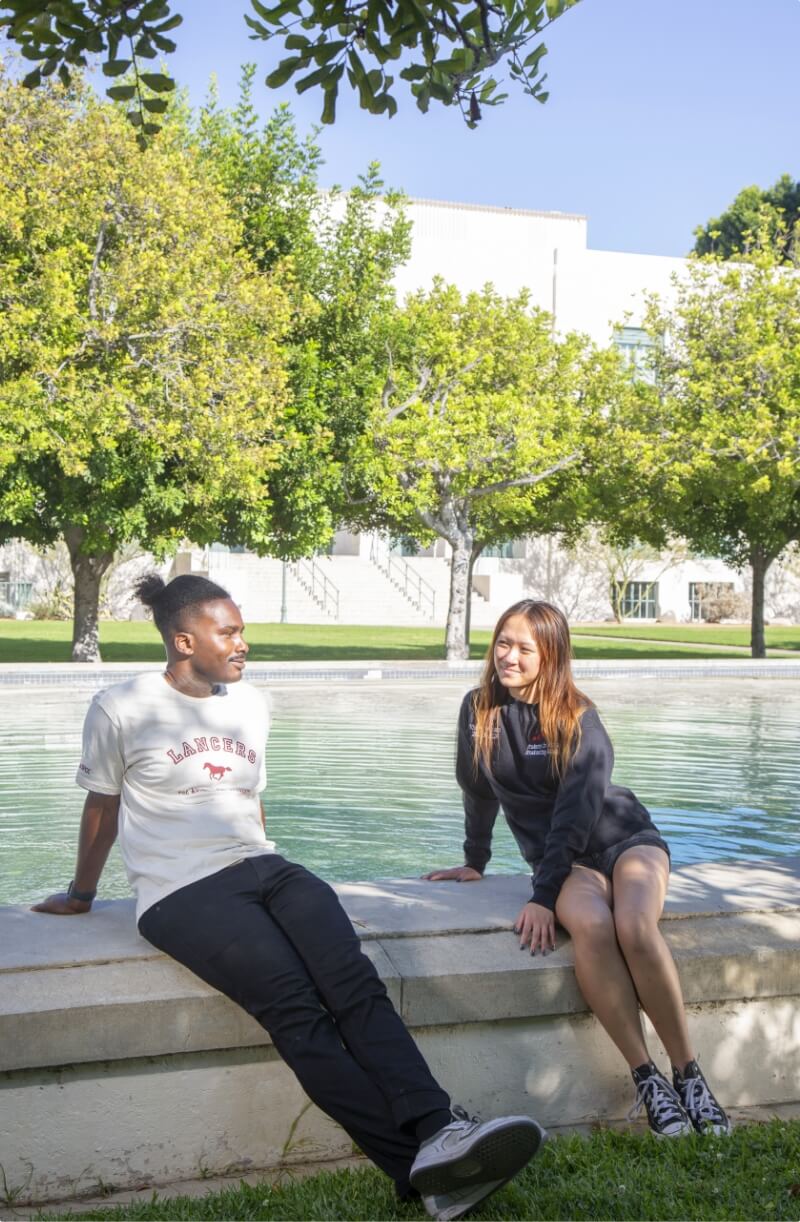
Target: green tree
<point x="481" y="431"/>
<point x="142" y="382"/>
<point x="448" y="50"/>
<point x="737" y="229"/>
<point x="335" y="254"/>
<point x="725" y="419"/>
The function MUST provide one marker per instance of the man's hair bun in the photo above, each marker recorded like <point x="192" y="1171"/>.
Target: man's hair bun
<point x="172" y="602"/>
<point x="149" y="589"/>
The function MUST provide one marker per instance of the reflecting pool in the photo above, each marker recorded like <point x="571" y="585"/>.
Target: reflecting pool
<point x="361" y="775"/>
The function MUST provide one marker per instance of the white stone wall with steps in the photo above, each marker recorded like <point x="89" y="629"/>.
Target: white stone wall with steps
<point x="366" y="594"/>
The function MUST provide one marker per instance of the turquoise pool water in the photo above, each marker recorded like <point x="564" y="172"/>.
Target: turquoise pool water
<point x="361" y="776"/>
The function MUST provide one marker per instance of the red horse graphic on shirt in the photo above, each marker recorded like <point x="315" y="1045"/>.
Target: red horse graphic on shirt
<point x="216" y="771"/>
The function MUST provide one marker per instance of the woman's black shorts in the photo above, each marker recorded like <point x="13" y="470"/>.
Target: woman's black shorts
<point x="604" y="862"/>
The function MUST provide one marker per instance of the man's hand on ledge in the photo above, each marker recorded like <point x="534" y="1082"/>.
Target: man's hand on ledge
<point x="458" y="874"/>
<point x="61" y="905"/>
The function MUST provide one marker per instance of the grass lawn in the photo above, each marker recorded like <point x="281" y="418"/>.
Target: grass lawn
<point x="717" y="634"/>
<point x="49" y="641"/>
<point x="753" y="1174"/>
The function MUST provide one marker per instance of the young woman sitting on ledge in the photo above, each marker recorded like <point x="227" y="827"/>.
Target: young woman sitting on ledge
<point x="530" y="742"/>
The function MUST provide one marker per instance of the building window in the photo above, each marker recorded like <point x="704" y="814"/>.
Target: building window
<point x="635" y="599"/>
<point x="636" y="347"/>
<point x="14" y="595"/>
<point x="711" y="600"/>
<point x="404" y="545"/>
<point x="500" y="551"/>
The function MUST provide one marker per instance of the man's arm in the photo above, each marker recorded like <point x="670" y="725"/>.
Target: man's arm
<point x="97" y="834"/>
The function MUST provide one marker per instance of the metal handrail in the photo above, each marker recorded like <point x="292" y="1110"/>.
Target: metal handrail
<point x="419" y="592"/>
<point x="318" y="585"/>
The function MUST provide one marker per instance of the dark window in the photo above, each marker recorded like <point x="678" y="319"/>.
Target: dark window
<point x="635" y="599"/>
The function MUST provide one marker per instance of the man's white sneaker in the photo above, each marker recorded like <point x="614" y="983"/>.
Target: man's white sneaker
<point x="458" y="1203"/>
<point x="468" y="1153"/>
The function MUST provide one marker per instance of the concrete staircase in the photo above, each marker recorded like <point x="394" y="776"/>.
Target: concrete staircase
<point x="339" y="589"/>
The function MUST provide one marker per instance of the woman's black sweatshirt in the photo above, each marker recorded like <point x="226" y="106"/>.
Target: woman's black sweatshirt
<point x="553" y="822"/>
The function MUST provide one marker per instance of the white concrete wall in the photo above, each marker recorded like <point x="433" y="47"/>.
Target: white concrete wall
<point x="121" y="1068"/>
<point x="470" y="246"/>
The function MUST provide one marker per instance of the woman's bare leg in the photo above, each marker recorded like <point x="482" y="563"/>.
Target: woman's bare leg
<point x="584" y="909"/>
<point x="639" y="889"/>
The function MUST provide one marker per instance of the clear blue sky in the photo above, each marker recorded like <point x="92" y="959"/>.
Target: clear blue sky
<point x="659" y="112"/>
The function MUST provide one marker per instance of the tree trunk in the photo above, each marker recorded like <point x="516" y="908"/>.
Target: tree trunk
<point x="87" y="571"/>
<point x="456" y="645"/>
<point x="760" y="562"/>
<point x="477" y="548"/>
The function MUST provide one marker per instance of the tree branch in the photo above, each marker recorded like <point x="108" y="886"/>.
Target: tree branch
<point x="94" y="274"/>
<point x="390" y="388"/>
<point x="527" y="480"/>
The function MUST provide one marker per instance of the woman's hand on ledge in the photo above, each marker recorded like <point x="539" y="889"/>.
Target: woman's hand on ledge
<point x="61" y="905"/>
<point x="458" y="874"/>
<point x="536" y="927"/>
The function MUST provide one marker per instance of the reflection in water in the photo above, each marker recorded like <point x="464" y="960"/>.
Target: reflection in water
<point x="361" y="776"/>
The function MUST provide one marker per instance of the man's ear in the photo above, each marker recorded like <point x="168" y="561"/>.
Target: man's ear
<point x="183" y="643"/>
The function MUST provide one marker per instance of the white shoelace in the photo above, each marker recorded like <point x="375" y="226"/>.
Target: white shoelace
<point x="661" y="1100"/>
<point x="699" y="1101"/>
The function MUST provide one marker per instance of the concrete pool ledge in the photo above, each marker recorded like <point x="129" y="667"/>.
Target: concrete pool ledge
<point x="119" y="1067"/>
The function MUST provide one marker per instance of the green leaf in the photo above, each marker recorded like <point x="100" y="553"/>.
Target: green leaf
<point x="170" y="25"/>
<point x="317" y="77"/>
<point x="151" y="129"/>
<point x="275" y="15"/>
<point x="530" y="61"/>
<point x="121" y="93"/>
<point x="324" y="52"/>
<point x="116" y="67"/>
<point x="134" y="118"/>
<point x="43" y="34"/>
<point x="163" y="44"/>
<point x="154" y="10"/>
<point x="329" y="106"/>
<point x="261" y="31"/>
<point x="440" y="91"/>
<point x="156" y="106"/>
<point x="297" y="42"/>
<point x="145" y="48"/>
<point x="423" y="96"/>
<point x="414" y="72"/>
<point x="359" y="72"/>
<point x="284" y="70"/>
<point x="33" y="79"/>
<point x="157" y="81"/>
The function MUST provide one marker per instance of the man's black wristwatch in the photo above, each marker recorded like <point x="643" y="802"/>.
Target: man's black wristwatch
<point x="85" y="897"/>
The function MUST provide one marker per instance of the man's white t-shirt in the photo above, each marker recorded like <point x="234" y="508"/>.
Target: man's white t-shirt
<point x="189" y="773"/>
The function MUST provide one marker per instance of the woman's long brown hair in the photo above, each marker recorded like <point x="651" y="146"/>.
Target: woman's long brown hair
<point x="560" y="702"/>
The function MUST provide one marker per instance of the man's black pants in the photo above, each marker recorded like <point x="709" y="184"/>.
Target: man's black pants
<point x="275" y="939"/>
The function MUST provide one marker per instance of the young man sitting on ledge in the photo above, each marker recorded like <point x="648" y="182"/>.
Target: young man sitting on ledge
<point x="174" y="764"/>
